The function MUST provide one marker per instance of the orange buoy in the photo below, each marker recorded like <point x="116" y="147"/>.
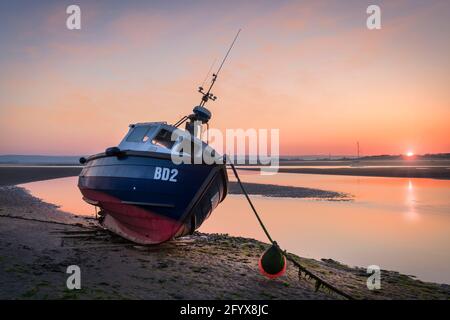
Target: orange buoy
<point x="272" y="263"/>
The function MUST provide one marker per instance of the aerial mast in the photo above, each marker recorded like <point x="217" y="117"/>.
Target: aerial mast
<point x="208" y="95"/>
<point x="357" y="147"/>
<point x="201" y="113"/>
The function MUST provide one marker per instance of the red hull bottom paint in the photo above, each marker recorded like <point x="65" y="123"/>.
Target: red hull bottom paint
<point x="126" y="232"/>
<point x="132" y="222"/>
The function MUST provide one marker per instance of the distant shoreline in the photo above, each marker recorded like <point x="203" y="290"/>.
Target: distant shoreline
<point x="388" y="172"/>
<point x="437" y="159"/>
<point x="11" y="174"/>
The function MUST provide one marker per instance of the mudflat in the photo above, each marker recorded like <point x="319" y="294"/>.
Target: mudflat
<point x="395" y="172"/>
<point x="12" y="175"/>
<point x="38" y="242"/>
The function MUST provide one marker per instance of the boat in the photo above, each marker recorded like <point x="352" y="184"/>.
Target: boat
<point x="143" y="194"/>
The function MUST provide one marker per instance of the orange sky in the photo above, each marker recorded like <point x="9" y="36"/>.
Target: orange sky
<point x="311" y="69"/>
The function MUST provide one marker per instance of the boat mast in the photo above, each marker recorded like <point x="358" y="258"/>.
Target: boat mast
<point x="208" y="95"/>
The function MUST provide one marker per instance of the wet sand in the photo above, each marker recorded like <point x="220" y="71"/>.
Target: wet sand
<point x="12" y="175"/>
<point x="38" y="242"/>
<point x="395" y="172"/>
<point x="34" y="256"/>
<point x="369" y="163"/>
<point x="271" y="190"/>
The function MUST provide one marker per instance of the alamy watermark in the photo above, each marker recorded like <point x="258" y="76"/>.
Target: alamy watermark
<point x="74" y="280"/>
<point x="73" y="21"/>
<point x="241" y="146"/>
<point x="374" y="280"/>
<point x="373" y="21"/>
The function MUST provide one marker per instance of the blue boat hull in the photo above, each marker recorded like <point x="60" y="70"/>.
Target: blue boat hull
<point x="146" y="198"/>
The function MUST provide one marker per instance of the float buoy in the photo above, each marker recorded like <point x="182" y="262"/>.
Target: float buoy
<point x="272" y="263"/>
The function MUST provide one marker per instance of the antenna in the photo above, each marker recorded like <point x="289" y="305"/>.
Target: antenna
<point x="208" y="94"/>
<point x="200" y="111"/>
<point x="357" y="146"/>
<point x="209" y="72"/>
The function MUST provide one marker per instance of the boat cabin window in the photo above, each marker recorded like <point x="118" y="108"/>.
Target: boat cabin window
<point x="141" y="134"/>
<point x="164" y="139"/>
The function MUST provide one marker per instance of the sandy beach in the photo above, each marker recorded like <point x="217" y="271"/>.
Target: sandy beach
<point x="408" y="172"/>
<point x="38" y="242"/>
<point x="435" y="169"/>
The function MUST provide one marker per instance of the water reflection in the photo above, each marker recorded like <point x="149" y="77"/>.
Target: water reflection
<point x="397" y="223"/>
<point x="63" y="193"/>
<point x="411" y="213"/>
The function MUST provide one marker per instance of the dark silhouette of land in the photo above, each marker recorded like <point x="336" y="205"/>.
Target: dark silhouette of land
<point x="398" y="172"/>
<point x="11" y="175"/>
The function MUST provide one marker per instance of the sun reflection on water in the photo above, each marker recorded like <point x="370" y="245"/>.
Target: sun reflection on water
<point x="411" y="213"/>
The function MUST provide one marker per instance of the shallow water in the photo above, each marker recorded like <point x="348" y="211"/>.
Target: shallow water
<point x="289" y="166"/>
<point x="400" y="224"/>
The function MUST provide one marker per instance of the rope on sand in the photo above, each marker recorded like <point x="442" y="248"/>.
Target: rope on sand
<point x="47" y="221"/>
<point x="308" y="274"/>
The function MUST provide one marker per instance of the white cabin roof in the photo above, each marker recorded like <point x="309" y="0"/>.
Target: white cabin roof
<point x="144" y="140"/>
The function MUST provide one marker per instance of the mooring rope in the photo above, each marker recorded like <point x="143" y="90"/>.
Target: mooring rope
<point x="78" y="225"/>
<point x="319" y="281"/>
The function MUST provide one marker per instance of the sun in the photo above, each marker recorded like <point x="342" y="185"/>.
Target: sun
<point x="409" y="153"/>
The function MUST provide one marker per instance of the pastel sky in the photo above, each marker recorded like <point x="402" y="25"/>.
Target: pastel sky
<point x="310" y="68"/>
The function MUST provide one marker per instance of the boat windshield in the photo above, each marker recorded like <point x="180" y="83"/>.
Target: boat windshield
<point x="141" y="134"/>
<point x="164" y="139"/>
